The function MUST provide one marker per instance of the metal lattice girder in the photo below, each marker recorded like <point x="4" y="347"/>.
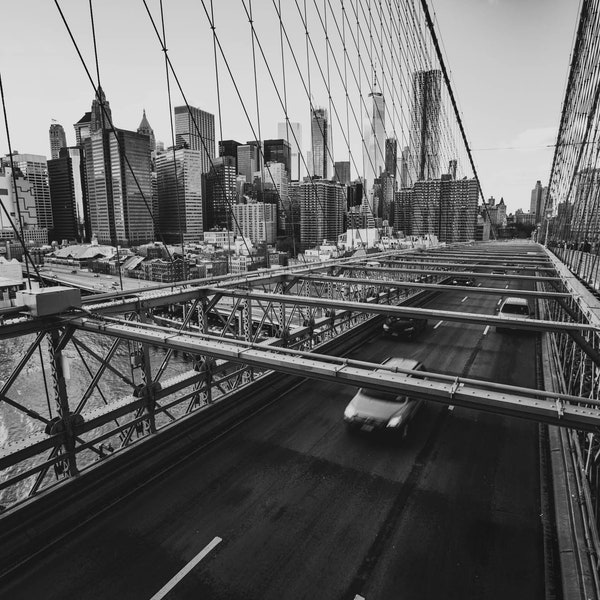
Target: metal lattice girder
<point x="375" y="308"/>
<point x="442" y="287"/>
<point x="567" y="411"/>
<point x="443" y="273"/>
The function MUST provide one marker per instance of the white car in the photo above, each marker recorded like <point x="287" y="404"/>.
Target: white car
<point x="515" y="308"/>
<point x="372" y="409"/>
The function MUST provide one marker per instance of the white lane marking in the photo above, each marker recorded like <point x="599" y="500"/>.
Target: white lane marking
<point x="486" y="330"/>
<point x="450" y="406"/>
<point x="464" y="298"/>
<point x="358" y="597"/>
<point x="171" y="584"/>
<point x="437" y="324"/>
<point x="506" y="286"/>
<point x="500" y="302"/>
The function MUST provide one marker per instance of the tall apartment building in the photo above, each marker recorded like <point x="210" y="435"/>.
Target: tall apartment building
<point x="66" y="177"/>
<point x="195" y="129"/>
<point x="459" y="208"/>
<point x="444" y="207"/>
<point x="425" y="126"/>
<point x="256" y="221"/>
<point x="537" y="205"/>
<point x="58" y="139"/>
<point x="292" y="133"/>
<point x="34" y="168"/>
<point x="319" y="128"/>
<point x="220" y="193"/>
<point x="179" y="193"/>
<point x="403" y="211"/>
<point x="322" y="209"/>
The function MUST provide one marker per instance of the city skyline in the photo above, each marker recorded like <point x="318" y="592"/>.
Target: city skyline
<point x="144" y="57"/>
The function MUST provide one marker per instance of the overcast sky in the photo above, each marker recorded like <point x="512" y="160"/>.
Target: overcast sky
<point x="508" y="60"/>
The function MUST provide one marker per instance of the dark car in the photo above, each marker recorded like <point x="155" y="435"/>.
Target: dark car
<point x="404" y="327"/>
<point x="469" y="281"/>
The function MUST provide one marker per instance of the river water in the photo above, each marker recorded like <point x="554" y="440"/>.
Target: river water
<point x="29" y="389"/>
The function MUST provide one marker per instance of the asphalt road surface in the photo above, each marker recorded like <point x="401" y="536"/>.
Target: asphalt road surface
<point x="291" y="505"/>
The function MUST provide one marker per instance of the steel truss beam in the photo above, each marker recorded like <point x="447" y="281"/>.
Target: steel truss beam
<point x="565" y="411"/>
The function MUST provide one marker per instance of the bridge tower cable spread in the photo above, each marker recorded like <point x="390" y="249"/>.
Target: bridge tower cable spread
<point x="438" y="51"/>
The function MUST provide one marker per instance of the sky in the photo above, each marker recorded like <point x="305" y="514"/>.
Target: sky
<point x="508" y="61"/>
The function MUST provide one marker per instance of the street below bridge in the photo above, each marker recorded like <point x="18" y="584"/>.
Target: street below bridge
<point x="289" y="504"/>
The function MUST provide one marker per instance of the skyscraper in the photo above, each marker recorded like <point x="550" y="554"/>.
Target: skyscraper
<point x="119" y="185"/>
<point x="292" y="132"/>
<point x="341" y="172"/>
<point x="117" y="177"/>
<point x="179" y="191"/>
<point x="319" y="128"/>
<point x="221" y="192"/>
<point x="391" y="157"/>
<point x="195" y="129"/>
<point x="375" y="137"/>
<point x="145" y="129"/>
<point x="82" y="128"/>
<point x="248" y="159"/>
<point x="229" y="148"/>
<point x="278" y="151"/>
<point x="537" y="206"/>
<point x="322" y="208"/>
<point x="58" y="139"/>
<point x="100" y="115"/>
<point x="70" y="213"/>
<point x="425" y="126"/>
<point x="277" y="175"/>
<point x="34" y="168"/>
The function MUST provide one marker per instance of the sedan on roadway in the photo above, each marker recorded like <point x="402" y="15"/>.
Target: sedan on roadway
<point x="403" y="327"/>
<point x="374" y="410"/>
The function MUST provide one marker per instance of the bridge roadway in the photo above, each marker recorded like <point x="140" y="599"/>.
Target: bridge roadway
<point x="305" y="509"/>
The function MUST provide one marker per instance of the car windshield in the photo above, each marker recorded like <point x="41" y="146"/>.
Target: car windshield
<point x="379" y="395"/>
<point x="516" y="309"/>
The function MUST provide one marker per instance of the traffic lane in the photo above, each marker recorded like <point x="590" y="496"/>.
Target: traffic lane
<point x="238" y="484"/>
<point x="471" y="527"/>
<point x="238" y="489"/>
<point x="290" y="522"/>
